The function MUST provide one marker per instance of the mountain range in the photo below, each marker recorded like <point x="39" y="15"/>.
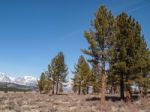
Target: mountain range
<point x="25" y="80"/>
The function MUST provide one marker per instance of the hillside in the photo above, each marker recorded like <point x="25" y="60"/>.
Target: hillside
<point x="5" y="86"/>
<point x="25" y="83"/>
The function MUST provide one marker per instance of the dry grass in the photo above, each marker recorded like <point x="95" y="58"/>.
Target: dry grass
<point x="35" y="102"/>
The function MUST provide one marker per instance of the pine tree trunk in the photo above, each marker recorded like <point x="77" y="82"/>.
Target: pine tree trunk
<point x="128" y="91"/>
<point x="111" y="81"/>
<point x="79" y="91"/>
<point x="103" y="89"/>
<point x="122" y="87"/>
<point x="57" y="88"/>
<point x="128" y="96"/>
<point x="103" y="92"/>
<point x="53" y="88"/>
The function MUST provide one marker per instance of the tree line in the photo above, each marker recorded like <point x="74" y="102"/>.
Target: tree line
<point x="52" y="80"/>
<point x="119" y="56"/>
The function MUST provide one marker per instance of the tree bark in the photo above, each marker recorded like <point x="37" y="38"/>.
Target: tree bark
<point x="122" y="87"/>
<point x="57" y="88"/>
<point x="111" y="81"/>
<point x="53" y="88"/>
<point x="128" y="91"/>
<point x="79" y="91"/>
<point x="103" y="90"/>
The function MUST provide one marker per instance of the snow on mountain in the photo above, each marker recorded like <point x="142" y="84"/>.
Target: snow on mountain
<point x="4" y="78"/>
<point x="25" y="80"/>
<point x="67" y="86"/>
<point x="12" y="79"/>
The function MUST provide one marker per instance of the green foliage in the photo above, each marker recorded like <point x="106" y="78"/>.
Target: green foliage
<point x="82" y="78"/>
<point x="129" y="54"/>
<point x="95" y="78"/>
<point x="47" y="86"/>
<point x="58" y="72"/>
<point x="100" y="40"/>
<point x="118" y="42"/>
<point x="44" y="84"/>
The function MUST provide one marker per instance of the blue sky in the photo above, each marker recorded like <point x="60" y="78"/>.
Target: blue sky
<point x="33" y="31"/>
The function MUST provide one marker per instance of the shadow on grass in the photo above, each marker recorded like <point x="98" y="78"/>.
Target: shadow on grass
<point x="61" y="94"/>
<point x="112" y="98"/>
<point x="58" y="94"/>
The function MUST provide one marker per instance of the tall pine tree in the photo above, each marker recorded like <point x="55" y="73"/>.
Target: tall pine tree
<point x="57" y="72"/>
<point x="129" y="57"/>
<point x="100" y="40"/>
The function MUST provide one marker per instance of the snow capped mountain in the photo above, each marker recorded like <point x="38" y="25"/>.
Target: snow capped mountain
<point x="25" y="80"/>
<point x="4" y="78"/>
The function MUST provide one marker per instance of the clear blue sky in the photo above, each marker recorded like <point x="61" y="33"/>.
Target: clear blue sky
<point x="33" y="31"/>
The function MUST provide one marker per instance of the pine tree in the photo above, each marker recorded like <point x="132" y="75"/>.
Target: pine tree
<point x="40" y="82"/>
<point x="61" y="70"/>
<point x="47" y="86"/>
<point x="81" y="80"/>
<point x="51" y="71"/>
<point x="57" y="72"/>
<point x="44" y="84"/>
<point x="143" y="65"/>
<point x="76" y="83"/>
<point x="100" y="40"/>
<point x="129" y="53"/>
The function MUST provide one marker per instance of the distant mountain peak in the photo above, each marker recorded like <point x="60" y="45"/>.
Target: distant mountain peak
<point x="25" y="80"/>
<point x="4" y="77"/>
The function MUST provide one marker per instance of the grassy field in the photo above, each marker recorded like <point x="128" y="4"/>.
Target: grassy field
<point x="36" y="102"/>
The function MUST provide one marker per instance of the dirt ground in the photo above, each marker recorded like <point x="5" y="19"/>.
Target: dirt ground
<point x="36" y="102"/>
